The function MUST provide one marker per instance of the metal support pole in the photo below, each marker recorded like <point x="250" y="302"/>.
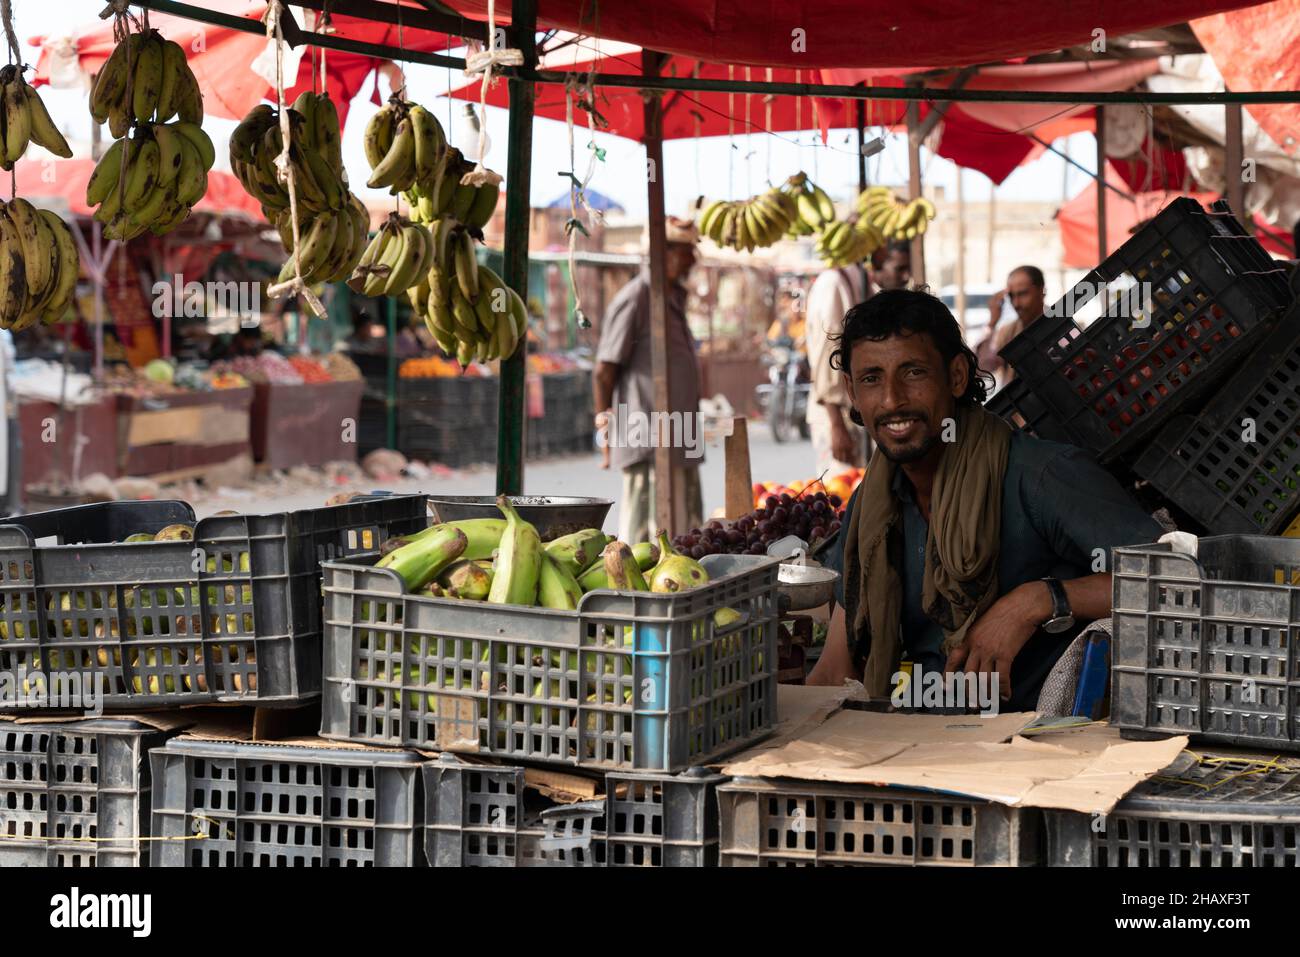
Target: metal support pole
<point x="390" y="392"/>
<point x="862" y="144"/>
<point x="661" y="373"/>
<point x="914" y="188"/>
<point x="1233" y="154"/>
<point x="511" y="421"/>
<point x="1102" y="246"/>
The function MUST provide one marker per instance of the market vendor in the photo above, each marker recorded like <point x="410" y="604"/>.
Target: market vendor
<point x="967" y="547"/>
<point x="623" y="388"/>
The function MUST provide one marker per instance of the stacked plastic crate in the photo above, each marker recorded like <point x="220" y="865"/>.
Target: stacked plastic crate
<point x="1175" y="362"/>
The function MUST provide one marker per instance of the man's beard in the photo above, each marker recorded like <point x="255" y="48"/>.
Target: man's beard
<point x="911" y="453"/>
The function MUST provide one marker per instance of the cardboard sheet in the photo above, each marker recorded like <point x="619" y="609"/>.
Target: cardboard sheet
<point x="1084" y="769"/>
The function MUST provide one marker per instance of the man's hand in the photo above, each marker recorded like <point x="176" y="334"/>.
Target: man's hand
<point x="845" y="446"/>
<point x="997" y="636"/>
<point x="602" y="428"/>
<point x="995" y="306"/>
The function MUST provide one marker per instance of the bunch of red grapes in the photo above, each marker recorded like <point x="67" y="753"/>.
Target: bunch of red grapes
<point x="812" y="517"/>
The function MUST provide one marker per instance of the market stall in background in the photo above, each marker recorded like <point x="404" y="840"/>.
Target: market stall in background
<point x="493" y="679"/>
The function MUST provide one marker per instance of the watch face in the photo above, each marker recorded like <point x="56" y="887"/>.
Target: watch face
<point x="1055" y="626"/>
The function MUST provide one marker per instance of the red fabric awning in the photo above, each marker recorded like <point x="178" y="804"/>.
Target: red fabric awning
<point x="857" y="33"/>
<point x="1254" y="49"/>
<point x="64" y="181"/>
<point x="221" y="58"/>
<point x="1078" y="219"/>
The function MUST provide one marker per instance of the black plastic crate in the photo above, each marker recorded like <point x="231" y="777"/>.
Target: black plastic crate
<point x="1112" y="382"/>
<point x="76" y="793"/>
<point x="234" y="615"/>
<point x="1023" y="411"/>
<point x="1206" y="646"/>
<point x="1223" y="812"/>
<point x="787" y="823"/>
<point x="1203" y="463"/>
<point x="629" y="681"/>
<point x="235" y="804"/>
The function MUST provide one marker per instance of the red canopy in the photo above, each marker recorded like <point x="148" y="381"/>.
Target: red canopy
<point x="1078" y="222"/>
<point x="222" y="58"/>
<point x="856" y="33"/>
<point x="64" y="182"/>
<point x="1254" y="49"/>
<point x="988" y="137"/>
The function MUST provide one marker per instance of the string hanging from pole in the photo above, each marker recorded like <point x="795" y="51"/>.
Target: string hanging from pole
<point x="485" y="63"/>
<point x="284" y="169"/>
<point x="15" y="56"/>
<point x="578" y="189"/>
<point x="731" y="135"/>
<point x="767" y="126"/>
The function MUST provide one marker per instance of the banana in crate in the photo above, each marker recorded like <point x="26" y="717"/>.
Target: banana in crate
<point x="333" y="224"/>
<point x="24" y="119"/>
<point x="39" y="265"/>
<point x="157" y="168"/>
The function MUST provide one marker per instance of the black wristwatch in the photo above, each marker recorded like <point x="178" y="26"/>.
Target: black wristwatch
<point x="1062" y="618"/>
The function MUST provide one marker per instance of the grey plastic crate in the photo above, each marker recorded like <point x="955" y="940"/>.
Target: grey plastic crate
<point x="1207" y="646"/>
<point x="234" y="615"/>
<point x="231" y="804"/>
<point x="784" y="823"/>
<point x="75" y="794"/>
<point x="1234" y="813"/>
<point x="662" y="820"/>
<point x="479" y="815"/>
<point x="629" y="681"/>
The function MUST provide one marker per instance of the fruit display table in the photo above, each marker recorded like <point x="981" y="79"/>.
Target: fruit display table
<point x="98" y="424"/>
<point x="182" y="435"/>
<point x="308" y="424"/>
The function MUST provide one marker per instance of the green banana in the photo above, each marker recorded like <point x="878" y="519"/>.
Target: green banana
<point x="518" y="562"/>
<point x="419" y="562"/>
<point x="675" y="572"/>
<point x="578" y="550"/>
<point x="556" y="586"/>
<point x="621" y="570"/>
<point x="465" y="579"/>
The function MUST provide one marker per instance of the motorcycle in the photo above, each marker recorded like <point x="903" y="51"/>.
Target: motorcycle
<point x="783" y="399"/>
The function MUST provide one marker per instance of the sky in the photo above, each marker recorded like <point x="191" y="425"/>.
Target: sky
<point x="716" y="167"/>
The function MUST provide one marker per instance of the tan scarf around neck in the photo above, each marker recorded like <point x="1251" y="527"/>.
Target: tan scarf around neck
<point x="961" y="548"/>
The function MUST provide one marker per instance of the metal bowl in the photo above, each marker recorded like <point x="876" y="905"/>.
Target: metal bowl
<point x="551" y="515"/>
<point x="805" y="586"/>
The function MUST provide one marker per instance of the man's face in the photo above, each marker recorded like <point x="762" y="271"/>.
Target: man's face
<point x="1025" y="297"/>
<point x="895" y="271"/>
<point x="679" y="260"/>
<point x="904" y="390"/>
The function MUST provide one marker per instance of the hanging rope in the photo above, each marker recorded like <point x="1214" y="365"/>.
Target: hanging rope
<point x="484" y="63"/>
<point x="749" y="141"/>
<point x="15" y="56"/>
<point x="284" y="169"/>
<point x="731" y="134"/>
<point x="767" y="126"/>
<point x="122" y="21"/>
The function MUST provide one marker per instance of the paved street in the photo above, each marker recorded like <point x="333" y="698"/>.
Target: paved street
<point x="579" y="475"/>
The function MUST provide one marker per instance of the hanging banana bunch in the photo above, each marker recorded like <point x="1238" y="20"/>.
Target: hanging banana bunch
<point x="746" y="225"/>
<point x="39" y="265"/>
<point x="333" y="223"/>
<point x="395" y="260"/>
<point x="895" y="219"/>
<point x="167" y="163"/>
<point x="845" y="242"/>
<point x="468" y="308"/>
<point x="24" y="119"/>
<point x="814" y="208"/>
